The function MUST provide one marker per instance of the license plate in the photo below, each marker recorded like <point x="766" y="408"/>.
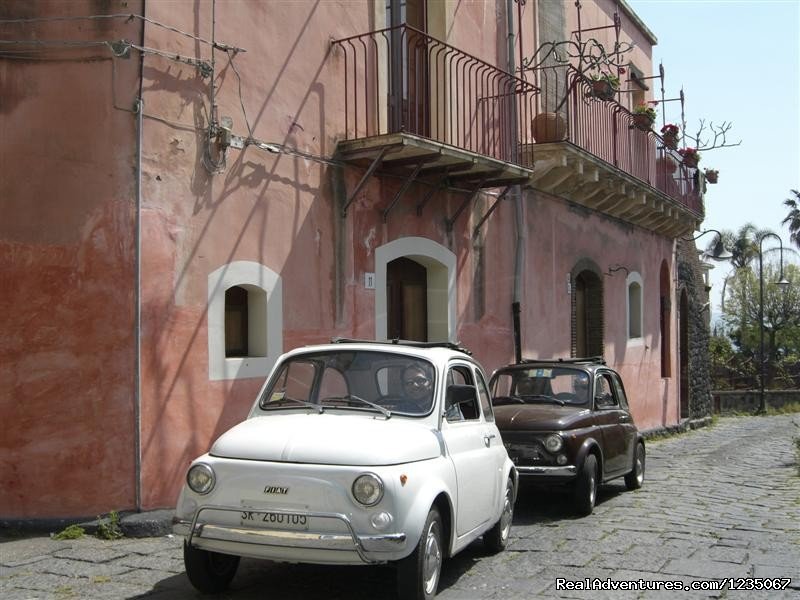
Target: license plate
<point x="274" y="520"/>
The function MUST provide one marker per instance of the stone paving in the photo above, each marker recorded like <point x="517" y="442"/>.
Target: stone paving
<point x="717" y="503"/>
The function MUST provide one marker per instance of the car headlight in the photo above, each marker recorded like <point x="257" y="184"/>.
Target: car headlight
<point x="368" y="489"/>
<point x="553" y="443"/>
<point x="200" y="478"/>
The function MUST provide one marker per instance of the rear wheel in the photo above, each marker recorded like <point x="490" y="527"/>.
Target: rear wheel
<point x="496" y="539"/>
<point x="586" y="486"/>
<point x="418" y="574"/>
<point x="209" y="572"/>
<point x="635" y="479"/>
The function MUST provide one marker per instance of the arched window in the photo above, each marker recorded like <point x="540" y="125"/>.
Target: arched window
<point x="587" y="310"/>
<point x="665" y="310"/>
<point x="415" y="295"/>
<point x="245" y="320"/>
<point x="236" y="308"/>
<point x="634" y="306"/>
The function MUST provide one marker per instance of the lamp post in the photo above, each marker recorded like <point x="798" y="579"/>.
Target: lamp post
<point x="762" y="405"/>
<point x="719" y="252"/>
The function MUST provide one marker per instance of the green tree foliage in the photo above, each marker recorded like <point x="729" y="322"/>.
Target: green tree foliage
<point x="793" y="218"/>
<point x="781" y="315"/>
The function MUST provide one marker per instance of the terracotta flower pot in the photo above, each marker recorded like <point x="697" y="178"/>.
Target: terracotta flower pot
<point x="642" y="121"/>
<point x="548" y="127"/>
<point x="667" y="164"/>
<point x="602" y="89"/>
<point x="690" y="160"/>
<point x="671" y="141"/>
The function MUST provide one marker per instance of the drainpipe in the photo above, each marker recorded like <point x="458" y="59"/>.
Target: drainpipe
<point x="137" y="324"/>
<point x="519" y="213"/>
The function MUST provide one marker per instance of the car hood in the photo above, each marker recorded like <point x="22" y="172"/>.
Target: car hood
<point x="329" y="438"/>
<point x="541" y="417"/>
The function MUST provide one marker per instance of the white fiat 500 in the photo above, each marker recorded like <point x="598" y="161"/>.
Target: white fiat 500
<point x="353" y="453"/>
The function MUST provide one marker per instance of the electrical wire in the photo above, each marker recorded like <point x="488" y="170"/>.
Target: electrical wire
<point x="231" y="55"/>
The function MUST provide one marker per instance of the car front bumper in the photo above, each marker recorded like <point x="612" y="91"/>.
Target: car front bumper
<point x="546" y="474"/>
<point x="291" y="546"/>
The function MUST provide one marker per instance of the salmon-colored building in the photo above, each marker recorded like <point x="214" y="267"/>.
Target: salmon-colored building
<point x="189" y="189"/>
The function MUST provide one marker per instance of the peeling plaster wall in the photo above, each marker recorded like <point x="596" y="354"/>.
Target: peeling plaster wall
<point x="67" y="196"/>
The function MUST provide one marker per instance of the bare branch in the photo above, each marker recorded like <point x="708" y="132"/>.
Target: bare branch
<point x="716" y="137"/>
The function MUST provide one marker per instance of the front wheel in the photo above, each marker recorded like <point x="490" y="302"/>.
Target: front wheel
<point x="418" y="573"/>
<point x="586" y="486"/>
<point x="209" y="572"/>
<point x="635" y="479"/>
<point x="496" y="539"/>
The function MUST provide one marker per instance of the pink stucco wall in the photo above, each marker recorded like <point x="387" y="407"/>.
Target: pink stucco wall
<point x="67" y="196"/>
<point x="68" y="253"/>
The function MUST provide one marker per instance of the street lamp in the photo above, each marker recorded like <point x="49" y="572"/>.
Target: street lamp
<point x="762" y="408"/>
<point x="719" y="252"/>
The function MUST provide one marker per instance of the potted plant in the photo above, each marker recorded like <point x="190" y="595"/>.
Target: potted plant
<point x="671" y="135"/>
<point x="690" y="157"/>
<point x="644" y="116"/>
<point x="712" y="175"/>
<point x="604" y="85"/>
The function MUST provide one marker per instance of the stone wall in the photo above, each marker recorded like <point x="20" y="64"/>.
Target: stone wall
<point x="690" y="278"/>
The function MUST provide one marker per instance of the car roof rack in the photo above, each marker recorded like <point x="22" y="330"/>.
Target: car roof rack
<point x="572" y="361"/>
<point x="398" y="342"/>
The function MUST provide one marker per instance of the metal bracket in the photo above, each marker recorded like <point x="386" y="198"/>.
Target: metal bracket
<point x="403" y="189"/>
<point x="375" y="164"/>
<point x="489" y="212"/>
<point x="449" y="222"/>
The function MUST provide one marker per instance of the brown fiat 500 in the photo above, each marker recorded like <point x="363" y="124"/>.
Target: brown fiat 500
<point x="566" y="422"/>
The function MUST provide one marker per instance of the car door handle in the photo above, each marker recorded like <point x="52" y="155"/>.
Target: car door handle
<point x="487" y="439"/>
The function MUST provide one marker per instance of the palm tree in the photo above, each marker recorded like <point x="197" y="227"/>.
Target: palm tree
<point x="793" y="218"/>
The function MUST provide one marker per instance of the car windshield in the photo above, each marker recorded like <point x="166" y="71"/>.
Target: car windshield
<point x="362" y="380"/>
<point x="530" y="385"/>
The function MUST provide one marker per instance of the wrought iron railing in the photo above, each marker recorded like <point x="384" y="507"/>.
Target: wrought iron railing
<point x="400" y="79"/>
<point x="606" y="130"/>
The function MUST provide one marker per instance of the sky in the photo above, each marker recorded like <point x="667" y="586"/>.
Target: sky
<point x="738" y="61"/>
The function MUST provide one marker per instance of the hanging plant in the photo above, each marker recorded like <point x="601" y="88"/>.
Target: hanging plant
<point x="671" y="135"/>
<point x="712" y="175"/>
<point x="604" y="86"/>
<point x="690" y="157"/>
<point x="644" y="116"/>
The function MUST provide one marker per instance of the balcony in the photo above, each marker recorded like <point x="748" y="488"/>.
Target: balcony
<point x="421" y="110"/>
<point x="600" y="159"/>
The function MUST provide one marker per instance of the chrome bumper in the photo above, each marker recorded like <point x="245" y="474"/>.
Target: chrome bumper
<point x="290" y="539"/>
<point x="568" y="471"/>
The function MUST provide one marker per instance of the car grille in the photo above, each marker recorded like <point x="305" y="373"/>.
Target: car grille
<point x="526" y="451"/>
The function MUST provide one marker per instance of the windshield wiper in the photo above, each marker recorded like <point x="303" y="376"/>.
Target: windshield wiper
<point x="545" y="397"/>
<point x="316" y="407"/>
<point x="385" y="411"/>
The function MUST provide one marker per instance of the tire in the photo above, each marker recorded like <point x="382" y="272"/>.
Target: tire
<point x="496" y="539"/>
<point x="209" y="572"/>
<point x="418" y="574"/>
<point x="586" y="486"/>
<point x="635" y="479"/>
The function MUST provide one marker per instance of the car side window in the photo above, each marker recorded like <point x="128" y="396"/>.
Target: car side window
<point x="465" y="411"/>
<point x="619" y="390"/>
<point x="603" y="394"/>
<point x="486" y="402"/>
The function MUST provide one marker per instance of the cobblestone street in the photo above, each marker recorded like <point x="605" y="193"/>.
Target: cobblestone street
<point x="717" y="503"/>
